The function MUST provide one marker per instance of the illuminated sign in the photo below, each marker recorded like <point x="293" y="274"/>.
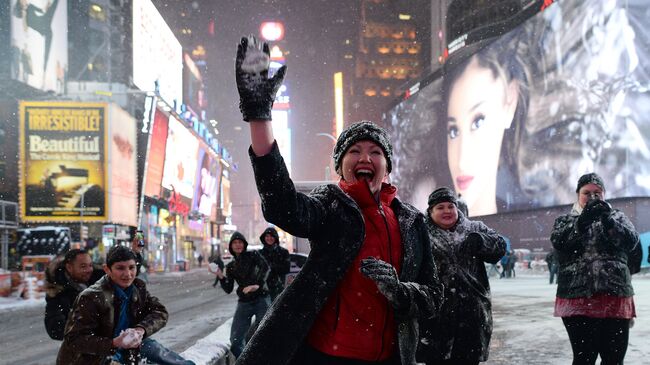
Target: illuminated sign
<point x="272" y="31"/>
<point x="157" y="54"/>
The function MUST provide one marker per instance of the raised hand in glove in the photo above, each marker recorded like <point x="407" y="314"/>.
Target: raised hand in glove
<point x="384" y="275"/>
<point x="594" y="209"/>
<point x="256" y="90"/>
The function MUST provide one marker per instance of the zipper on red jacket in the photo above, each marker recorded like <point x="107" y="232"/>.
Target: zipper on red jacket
<point x="337" y="310"/>
<point x="390" y="260"/>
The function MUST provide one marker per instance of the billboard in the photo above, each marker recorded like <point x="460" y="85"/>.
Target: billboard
<point x="39" y="43"/>
<point x="513" y="125"/>
<point x="157" y="54"/>
<point x="180" y="159"/>
<point x="156" y="155"/>
<point x="123" y="192"/>
<point x="207" y="180"/>
<point x="63" y="161"/>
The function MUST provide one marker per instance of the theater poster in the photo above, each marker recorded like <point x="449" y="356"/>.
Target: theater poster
<point x="63" y="161"/>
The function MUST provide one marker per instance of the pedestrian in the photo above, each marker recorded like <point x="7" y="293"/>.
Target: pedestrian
<point x="505" y="265"/>
<point x="278" y="259"/>
<point x="249" y="270"/>
<point x="137" y="246"/>
<point x="110" y="318"/>
<point x="460" y="335"/>
<point x="512" y="261"/>
<point x="370" y="272"/>
<point x="65" y="278"/>
<point x="598" y="250"/>
<point x="551" y="262"/>
<point x="200" y="259"/>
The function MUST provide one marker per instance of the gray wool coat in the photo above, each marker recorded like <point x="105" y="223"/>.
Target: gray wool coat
<point x="334" y="225"/>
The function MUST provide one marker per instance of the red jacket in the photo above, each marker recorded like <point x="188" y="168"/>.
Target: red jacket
<point x="357" y="321"/>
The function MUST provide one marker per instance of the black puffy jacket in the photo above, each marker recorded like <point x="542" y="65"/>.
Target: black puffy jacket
<point x="247" y="268"/>
<point x="462" y="331"/>
<point x="596" y="260"/>
<point x="278" y="259"/>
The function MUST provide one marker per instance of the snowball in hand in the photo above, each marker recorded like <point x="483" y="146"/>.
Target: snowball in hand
<point x="256" y="60"/>
<point x="213" y="267"/>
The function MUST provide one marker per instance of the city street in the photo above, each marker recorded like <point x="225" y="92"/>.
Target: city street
<point x="195" y="310"/>
<point x="525" y="331"/>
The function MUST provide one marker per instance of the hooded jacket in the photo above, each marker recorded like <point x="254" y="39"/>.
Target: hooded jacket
<point x="335" y="227"/>
<point x="247" y="268"/>
<point x="596" y="260"/>
<point x="464" y="327"/>
<point x="89" y="329"/>
<point x="61" y="292"/>
<point x="278" y="259"/>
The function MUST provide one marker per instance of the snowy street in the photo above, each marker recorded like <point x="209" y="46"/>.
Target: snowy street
<point x="525" y="331"/>
<point x="195" y="310"/>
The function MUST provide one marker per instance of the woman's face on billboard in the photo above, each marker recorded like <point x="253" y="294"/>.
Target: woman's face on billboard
<point x="480" y="107"/>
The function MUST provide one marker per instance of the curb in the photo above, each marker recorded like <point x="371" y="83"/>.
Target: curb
<point x="213" y="349"/>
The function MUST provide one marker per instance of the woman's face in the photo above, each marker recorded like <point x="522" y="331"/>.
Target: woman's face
<point x="365" y="160"/>
<point x="480" y="108"/>
<point x="444" y="215"/>
<point x="587" y="191"/>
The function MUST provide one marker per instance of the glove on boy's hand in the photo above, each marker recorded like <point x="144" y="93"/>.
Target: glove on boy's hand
<point x="384" y="275"/>
<point x="594" y="209"/>
<point x="471" y="243"/>
<point x="256" y="90"/>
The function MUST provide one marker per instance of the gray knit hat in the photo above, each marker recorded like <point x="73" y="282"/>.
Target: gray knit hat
<point x="362" y="131"/>
<point x="590" y="178"/>
<point x="443" y="194"/>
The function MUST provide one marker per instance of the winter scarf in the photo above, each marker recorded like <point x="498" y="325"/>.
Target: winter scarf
<point x="123" y="322"/>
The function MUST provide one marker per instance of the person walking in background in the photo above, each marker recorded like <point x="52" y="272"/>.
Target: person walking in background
<point x="110" y="318"/>
<point x="598" y="250"/>
<point x="278" y="259"/>
<point x="551" y="262"/>
<point x="65" y="278"/>
<point x="460" y="335"/>
<point x="200" y="259"/>
<point x="249" y="270"/>
<point x="370" y="272"/>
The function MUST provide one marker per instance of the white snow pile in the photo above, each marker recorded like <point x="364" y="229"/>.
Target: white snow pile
<point x="212" y="348"/>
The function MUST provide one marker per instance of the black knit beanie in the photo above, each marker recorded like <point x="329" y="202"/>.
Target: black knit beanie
<point x="590" y="178"/>
<point x="362" y="131"/>
<point x="443" y="194"/>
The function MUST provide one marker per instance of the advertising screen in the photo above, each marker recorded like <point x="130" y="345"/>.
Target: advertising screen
<point x="207" y="180"/>
<point x="157" y="54"/>
<point x="156" y="155"/>
<point x="180" y="159"/>
<point x="123" y="194"/>
<point x="39" y="43"/>
<point x="513" y="125"/>
<point x="63" y="161"/>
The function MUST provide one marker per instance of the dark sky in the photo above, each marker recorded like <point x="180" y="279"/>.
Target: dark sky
<point x="313" y="29"/>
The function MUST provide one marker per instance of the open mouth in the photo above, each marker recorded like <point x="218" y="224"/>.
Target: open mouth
<point x="364" y="174"/>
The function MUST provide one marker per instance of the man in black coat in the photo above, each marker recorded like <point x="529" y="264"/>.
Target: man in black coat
<point x="65" y="278"/>
<point x="278" y="259"/>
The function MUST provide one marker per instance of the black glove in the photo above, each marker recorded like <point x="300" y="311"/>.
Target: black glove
<point x="384" y="275"/>
<point x="256" y="90"/>
<point x="471" y="243"/>
<point x="594" y="209"/>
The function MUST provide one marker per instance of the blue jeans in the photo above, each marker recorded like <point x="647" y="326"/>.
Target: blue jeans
<point x="156" y="353"/>
<point x="241" y="322"/>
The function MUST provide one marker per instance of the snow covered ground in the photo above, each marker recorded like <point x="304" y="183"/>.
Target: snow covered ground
<point x="525" y="331"/>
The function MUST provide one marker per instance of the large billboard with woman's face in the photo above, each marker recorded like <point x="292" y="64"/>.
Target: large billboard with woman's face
<point x="513" y="125"/>
<point x="39" y="43"/>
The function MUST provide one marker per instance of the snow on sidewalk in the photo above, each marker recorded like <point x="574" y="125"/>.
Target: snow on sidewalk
<point x="212" y="348"/>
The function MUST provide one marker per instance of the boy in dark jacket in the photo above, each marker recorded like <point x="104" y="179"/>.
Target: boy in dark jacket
<point x="65" y="278"/>
<point x="109" y="319"/>
<point x="278" y="259"/>
<point x="249" y="270"/>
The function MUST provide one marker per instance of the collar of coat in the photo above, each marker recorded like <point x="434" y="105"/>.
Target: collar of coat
<point x="406" y="217"/>
<point x="361" y="194"/>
